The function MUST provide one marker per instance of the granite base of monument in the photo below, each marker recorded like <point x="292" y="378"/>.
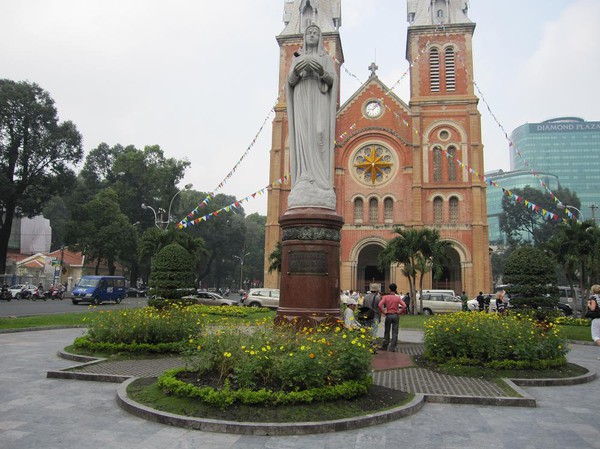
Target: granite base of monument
<point x="310" y="267"/>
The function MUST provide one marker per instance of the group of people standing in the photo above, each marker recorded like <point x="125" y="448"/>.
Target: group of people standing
<point x="375" y="306"/>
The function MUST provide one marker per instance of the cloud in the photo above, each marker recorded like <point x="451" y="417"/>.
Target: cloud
<point x="558" y="78"/>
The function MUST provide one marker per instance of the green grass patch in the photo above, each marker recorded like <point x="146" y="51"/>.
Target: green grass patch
<point x="577" y="333"/>
<point x="147" y="392"/>
<point x="566" y="371"/>
<point x="60" y="320"/>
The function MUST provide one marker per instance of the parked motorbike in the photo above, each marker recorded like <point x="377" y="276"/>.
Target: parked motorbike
<point x="55" y="293"/>
<point x="38" y="294"/>
<point x="6" y="294"/>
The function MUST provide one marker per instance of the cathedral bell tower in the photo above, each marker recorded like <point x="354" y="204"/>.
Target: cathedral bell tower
<point x="448" y="129"/>
<point x="298" y="14"/>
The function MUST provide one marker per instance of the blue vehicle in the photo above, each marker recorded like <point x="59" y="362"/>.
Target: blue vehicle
<point x="97" y="289"/>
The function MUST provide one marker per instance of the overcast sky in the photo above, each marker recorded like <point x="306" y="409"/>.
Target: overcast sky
<point x="199" y="77"/>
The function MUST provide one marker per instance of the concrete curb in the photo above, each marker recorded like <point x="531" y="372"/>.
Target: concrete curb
<point x="67" y="373"/>
<point x="523" y="400"/>
<point x="584" y="378"/>
<point x="264" y="429"/>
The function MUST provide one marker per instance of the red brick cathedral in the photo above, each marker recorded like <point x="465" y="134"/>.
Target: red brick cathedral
<point x="396" y="163"/>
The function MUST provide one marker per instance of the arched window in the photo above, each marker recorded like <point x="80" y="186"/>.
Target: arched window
<point x="453" y="205"/>
<point x="437" y="164"/>
<point x="434" y="70"/>
<point x="438" y="210"/>
<point x="451" y="164"/>
<point x="373" y="210"/>
<point x="450" y="69"/>
<point x="358" y="210"/>
<point x="388" y="209"/>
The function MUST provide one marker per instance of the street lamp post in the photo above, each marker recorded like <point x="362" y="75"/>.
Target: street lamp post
<point x="241" y="258"/>
<point x="568" y="206"/>
<point x="158" y="215"/>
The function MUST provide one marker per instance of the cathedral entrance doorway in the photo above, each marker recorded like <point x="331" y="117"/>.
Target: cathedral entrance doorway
<point x="367" y="268"/>
<point x="450" y="278"/>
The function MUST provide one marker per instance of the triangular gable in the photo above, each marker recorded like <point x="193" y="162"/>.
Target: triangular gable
<point x="374" y="87"/>
<point x="40" y="257"/>
<point x="32" y="264"/>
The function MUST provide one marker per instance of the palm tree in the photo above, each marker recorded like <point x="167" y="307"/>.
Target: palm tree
<point x="419" y="251"/>
<point x="275" y="259"/>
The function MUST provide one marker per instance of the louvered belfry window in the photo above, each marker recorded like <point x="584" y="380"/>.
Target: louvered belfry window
<point x="434" y="70"/>
<point x="450" y="70"/>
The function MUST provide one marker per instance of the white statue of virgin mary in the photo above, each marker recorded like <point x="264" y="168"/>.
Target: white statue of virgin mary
<point x="311" y="98"/>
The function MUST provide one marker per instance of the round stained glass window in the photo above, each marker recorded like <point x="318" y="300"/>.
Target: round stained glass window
<point x="373" y="164"/>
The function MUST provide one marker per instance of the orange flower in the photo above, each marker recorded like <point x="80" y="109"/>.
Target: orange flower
<point x="311" y="355"/>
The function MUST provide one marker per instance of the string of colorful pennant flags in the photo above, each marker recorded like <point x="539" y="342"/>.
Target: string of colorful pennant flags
<point x="237" y="204"/>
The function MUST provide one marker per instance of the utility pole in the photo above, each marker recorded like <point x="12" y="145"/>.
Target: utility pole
<point x="594" y="207"/>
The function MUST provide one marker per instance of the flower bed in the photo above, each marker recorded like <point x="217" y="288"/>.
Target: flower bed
<point x="493" y="340"/>
<point x="274" y="365"/>
<point x="151" y="330"/>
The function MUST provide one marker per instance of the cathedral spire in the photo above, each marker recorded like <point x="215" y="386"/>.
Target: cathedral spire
<point x="298" y="14"/>
<point x="437" y="12"/>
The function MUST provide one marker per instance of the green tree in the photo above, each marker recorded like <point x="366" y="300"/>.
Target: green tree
<point x="575" y="246"/>
<point x="531" y="274"/>
<point x="172" y="272"/>
<point x="224" y="235"/>
<point x="154" y="240"/>
<point x="101" y="231"/>
<point x="523" y="225"/>
<point x="275" y="258"/>
<point x="255" y="245"/>
<point x="36" y="153"/>
<point x="419" y="251"/>
<point x="138" y="177"/>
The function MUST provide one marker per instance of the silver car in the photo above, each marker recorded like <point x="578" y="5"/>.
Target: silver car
<point x="22" y="290"/>
<point x="210" y="299"/>
<point x="261" y="297"/>
<point x="439" y="303"/>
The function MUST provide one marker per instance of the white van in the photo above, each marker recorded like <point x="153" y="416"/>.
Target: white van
<point x="450" y="292"/>
<point x="439" y="301"/>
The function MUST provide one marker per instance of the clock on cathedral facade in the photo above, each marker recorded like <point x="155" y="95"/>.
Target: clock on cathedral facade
<point x="387" y="169"/>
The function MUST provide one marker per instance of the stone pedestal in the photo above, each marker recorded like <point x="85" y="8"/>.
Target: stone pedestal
<point x="310" y="267"/>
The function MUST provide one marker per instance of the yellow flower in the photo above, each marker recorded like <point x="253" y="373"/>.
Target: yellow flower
<point x="227" y="354"/>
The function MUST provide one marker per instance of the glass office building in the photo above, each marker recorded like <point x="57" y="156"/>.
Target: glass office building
<point x="568" y="147"/>
<point x="510" y="180"/>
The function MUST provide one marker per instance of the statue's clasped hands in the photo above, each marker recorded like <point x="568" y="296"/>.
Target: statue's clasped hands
<point x="309" y="65"/>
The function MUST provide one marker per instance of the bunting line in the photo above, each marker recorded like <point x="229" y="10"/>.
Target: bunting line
<point x="235" y="205"/>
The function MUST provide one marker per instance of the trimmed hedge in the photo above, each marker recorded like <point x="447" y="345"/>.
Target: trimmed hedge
<point x="226" y="397"/>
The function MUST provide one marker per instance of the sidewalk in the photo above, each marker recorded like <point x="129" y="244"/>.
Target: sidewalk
<point x="51" y="413"/>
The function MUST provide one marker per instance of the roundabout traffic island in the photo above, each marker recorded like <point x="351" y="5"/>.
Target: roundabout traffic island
<point x="379" y="405"/>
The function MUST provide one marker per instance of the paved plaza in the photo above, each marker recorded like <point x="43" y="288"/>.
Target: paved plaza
<point x="36" y="412"/>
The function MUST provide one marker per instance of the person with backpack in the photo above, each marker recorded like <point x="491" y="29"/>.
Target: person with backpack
<point x="369" y="312"/>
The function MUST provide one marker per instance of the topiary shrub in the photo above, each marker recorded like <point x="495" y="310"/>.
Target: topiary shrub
<point x="172" y="273"/>
<point x="531" y="274"/>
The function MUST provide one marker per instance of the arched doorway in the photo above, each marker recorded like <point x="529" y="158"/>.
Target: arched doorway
<point x="367" y="268"/>
<point x="450" y="278"/>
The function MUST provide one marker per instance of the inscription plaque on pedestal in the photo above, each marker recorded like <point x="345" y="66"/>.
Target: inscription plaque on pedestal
<point x="307" y="262"/>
